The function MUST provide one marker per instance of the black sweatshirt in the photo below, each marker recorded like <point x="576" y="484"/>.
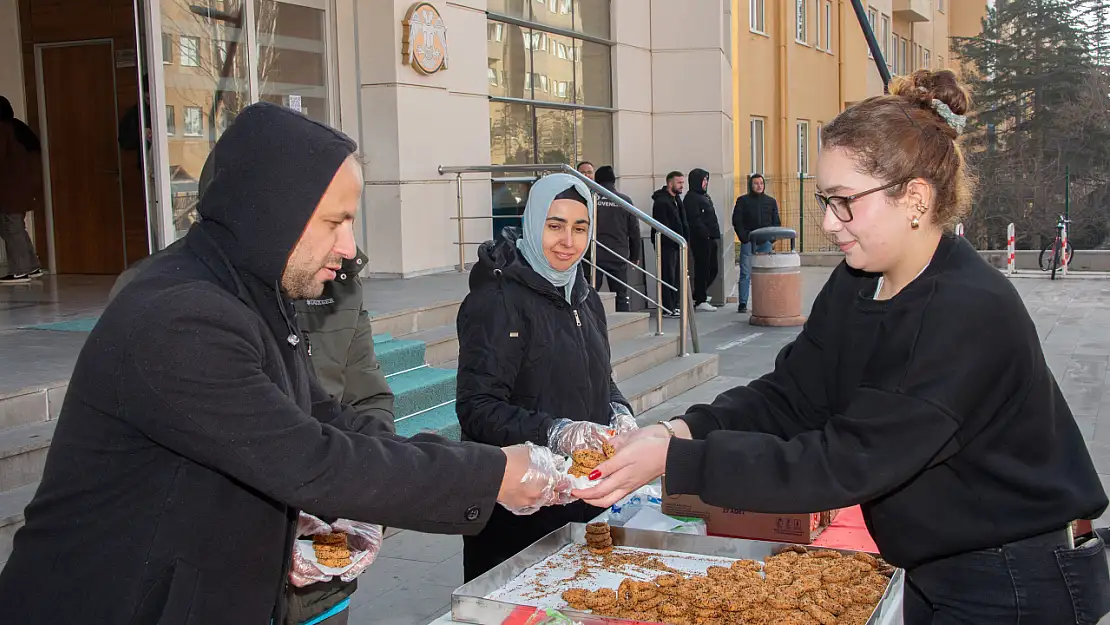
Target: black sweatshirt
<point x="935" y="410"/>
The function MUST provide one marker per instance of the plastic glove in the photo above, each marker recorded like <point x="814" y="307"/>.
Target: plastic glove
<point x="622" y="420"/>
<point x="360" y="537"/>
<point x="546" y="478"/>
<point x="566" y="436"/>
<point x="303" y="572"/>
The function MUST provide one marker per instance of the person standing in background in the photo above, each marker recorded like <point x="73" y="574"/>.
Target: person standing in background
<point x="753" y="210"/>
<point x="667" y="209"/>
<point x="705" y="236"/>
<point x="20" y="191"/>
<point x="618" y="230"/>
<point x="586" y="168"/>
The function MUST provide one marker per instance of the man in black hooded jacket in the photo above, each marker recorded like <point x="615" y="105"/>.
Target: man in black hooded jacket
<point x="192" y="432"/>
<point x="753" y="210"/>
<point x="667" y="209"/>
<point x="705" y="236"/>
<point x="618" y="230"/>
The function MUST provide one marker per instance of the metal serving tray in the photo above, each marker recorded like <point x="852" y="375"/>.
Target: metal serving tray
<point x="472" y="602"/>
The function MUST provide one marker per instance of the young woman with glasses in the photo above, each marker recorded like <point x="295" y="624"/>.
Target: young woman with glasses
<point x="917" y="388"/>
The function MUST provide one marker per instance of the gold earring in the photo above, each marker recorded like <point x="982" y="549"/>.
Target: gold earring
<point x="915" y="223"/>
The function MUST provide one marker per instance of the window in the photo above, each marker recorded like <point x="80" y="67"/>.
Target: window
<point x="926" y="61"/>
<point x="757" y="16"/>
<point x="532" y="68"/>
<point x="871" y="17"/>
<point x="194" y="121"/>
<point x="219" y="50"/>
<point x="803" y="147"/>
<point x="819" y="140"/>
<point x="756" y="145"/>
<point x="801" y="27"/>
<point x="828" y="27"/>
<point x="167" y="49"/>
<point x="171" y="122"/>
<point x="884" y="41"/>
<point x="940" y="5"/>
<point x="905" y="57"/>
<point x="189" y="48"/>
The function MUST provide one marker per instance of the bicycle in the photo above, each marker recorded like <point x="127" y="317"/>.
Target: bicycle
<point x="1051" y="257"/>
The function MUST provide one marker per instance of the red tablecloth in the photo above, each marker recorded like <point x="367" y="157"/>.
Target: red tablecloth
<point x="847" y="531"/>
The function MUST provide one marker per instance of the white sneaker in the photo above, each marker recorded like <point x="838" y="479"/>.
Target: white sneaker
<point x="706" y="307"/>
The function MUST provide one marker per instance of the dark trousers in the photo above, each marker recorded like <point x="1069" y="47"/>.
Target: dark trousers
<point x="669" y="273"/>
<point x="17" y="243"/>
<point x="1037" y="581"/>
<point x="705" y="267"/>
<point x="618" y="269"/>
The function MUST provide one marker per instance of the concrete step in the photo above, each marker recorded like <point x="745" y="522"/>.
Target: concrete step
<point x="23" y="454"/>
<point x="397" y="355"/>
<point x="440" y="344"/>
<point x="676" y="376"/>
<point x="637" y="355"/>
<point x="627" y="325"/>
<point x="422" y="389"/>
<point x="404" y="322"/>
<point x="31" y="405"/>
<point x="12" y="504"/>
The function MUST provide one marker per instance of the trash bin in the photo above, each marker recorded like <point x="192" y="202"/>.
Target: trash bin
<point x="776" y="281"/>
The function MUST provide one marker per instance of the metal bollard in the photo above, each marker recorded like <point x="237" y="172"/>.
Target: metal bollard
<point x="1010" y="260"/>
<point x="776" y="281"/>
<point x="959" y="230"/>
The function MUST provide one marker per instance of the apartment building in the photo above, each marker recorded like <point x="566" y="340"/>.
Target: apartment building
<point x="800" y="62"/>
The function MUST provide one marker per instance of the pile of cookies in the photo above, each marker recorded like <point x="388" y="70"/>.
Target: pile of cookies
<point x="599" y="539"/>
<point x="331" y="550"/>
<point x="795" y="587"/>
<point x="586" y="460"/>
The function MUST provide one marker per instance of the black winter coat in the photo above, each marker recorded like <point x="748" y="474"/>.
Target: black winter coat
<point x="617" y="229"/>
<point x="192" y="431"/>
<point x="527" y="358"/>
<point x="667" y="209"/>
<point x="753" y="212"/>
<point x="700" y="210"/>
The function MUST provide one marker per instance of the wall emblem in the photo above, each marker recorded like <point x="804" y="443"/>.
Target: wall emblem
<point x="424" y="42"/>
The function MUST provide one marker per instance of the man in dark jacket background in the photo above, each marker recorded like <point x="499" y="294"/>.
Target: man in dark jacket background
<point x="619" y="230"/>
<point x="705" y="237"/>
<point x="193" y="433"/>
<point x="753" y="210"/>
<point x="667" y="209"/>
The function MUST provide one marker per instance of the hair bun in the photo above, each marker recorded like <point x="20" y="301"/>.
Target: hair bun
<point x="923" y="86"/>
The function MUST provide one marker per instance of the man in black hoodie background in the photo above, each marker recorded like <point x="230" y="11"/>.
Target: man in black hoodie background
<point x="618" y="230"/>
<point x="705" y="237"/>
<point x="193" y="432"/>
<point x="667" y="209"/>
<point x="753" y="210"/>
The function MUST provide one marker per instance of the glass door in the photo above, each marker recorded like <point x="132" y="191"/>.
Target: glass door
<point x="212" y="59"/>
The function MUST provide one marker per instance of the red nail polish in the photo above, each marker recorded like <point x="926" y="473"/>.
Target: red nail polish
<point x="595" y="475"/>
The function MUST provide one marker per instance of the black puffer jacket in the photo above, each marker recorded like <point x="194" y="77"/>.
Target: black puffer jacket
<point x="527" y="358"/>
<point x="699" y="209"/>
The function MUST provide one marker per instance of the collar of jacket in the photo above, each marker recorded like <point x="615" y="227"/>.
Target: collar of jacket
<point x="269" y="301"/>
<point x="352" y="267"/>
<point x="500" y="260"/>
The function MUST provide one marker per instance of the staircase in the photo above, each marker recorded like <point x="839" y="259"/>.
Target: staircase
<point x="418" y="351"/>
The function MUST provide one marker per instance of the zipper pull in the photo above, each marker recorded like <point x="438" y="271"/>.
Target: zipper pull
<point x="577" y="319"/>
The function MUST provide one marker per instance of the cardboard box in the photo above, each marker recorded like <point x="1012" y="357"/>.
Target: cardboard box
<point x="788" y="528"/>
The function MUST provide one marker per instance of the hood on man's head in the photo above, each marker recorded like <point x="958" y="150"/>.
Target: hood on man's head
<point x="605" y="175"/>
<point x="696" y="177"/>
<point x="751" y="179"/>
<point x="263" y="182"/>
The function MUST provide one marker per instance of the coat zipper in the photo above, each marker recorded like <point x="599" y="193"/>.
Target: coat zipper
<point x="577" y="319"/>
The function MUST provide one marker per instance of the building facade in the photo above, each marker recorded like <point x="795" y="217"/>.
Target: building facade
<point x="649" y="86"/>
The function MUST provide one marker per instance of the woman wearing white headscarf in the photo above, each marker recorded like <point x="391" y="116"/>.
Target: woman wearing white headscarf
<point x="534" y="356"/>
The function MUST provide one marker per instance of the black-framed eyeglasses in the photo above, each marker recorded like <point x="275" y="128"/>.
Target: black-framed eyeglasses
<point x="841" y="205"/>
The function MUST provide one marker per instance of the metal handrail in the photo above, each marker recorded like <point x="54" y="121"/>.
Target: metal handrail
<point x="686" y="324"/>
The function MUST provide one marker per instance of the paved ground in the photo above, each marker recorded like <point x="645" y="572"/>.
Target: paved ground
<point x="412" y="581"/>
